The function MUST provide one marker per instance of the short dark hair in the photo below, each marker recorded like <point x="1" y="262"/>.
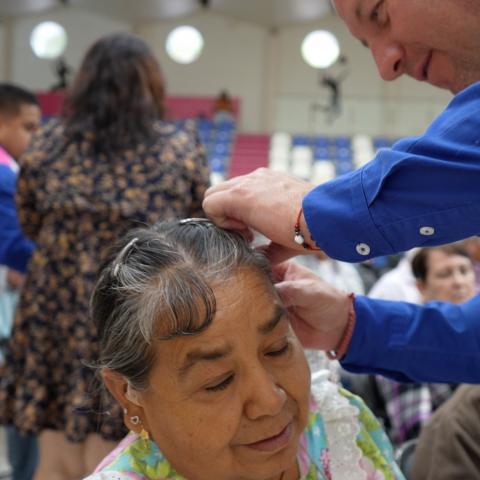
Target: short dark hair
<point x="12" y="97"/>
<point x="420" y="260"/>
<point x="116" y="96"/>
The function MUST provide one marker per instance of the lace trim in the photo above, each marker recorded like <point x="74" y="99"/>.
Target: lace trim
<point x="342" y="426"/>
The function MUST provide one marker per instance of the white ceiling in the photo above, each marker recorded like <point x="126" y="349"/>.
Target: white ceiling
<point x="271" y="13"/>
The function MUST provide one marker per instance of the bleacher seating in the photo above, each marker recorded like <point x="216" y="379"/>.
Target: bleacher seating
<point x="321" y="158"/>
<point x="218" y="139"/>
<point x="313" y="158"/>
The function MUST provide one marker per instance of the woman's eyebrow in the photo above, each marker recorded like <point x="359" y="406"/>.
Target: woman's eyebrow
<point x="279" y="313"/>
<point x="200" y="355"/>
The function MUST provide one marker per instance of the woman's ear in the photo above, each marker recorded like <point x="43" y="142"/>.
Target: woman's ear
<point x="126" y="396"/>
<point x="117" y="385"/>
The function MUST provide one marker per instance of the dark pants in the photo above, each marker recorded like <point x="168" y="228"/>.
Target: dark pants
<point x="22" y="454"/>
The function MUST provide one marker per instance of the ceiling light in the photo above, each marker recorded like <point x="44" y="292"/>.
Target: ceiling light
<point x="184" y="44"/>
<point x="48" y="40"/>
<point x="320" y="49"/>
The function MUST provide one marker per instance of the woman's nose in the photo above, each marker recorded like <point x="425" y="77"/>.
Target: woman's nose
<point x="389" y="57"/>
<point x="264" y="397"/>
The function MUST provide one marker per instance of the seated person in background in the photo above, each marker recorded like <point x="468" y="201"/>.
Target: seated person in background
<point x="445" y="274"/>
<point x="223" y="108"/>
<point x="449" y="445"/>
<point x="472" y="246"/>
<point x="198" y="349"/>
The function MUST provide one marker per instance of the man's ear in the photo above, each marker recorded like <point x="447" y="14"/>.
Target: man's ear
<point x="422" y="287"/>
<point x="3" y="125"/>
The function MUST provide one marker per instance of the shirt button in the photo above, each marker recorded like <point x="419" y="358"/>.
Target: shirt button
<point x="362" y="249"/>
<point x="427" y="231"/>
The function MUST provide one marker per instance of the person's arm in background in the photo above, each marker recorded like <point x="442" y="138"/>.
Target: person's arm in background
<point x="15" y="248"/>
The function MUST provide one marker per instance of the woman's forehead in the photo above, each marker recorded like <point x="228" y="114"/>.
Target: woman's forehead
<point x="246" y="306"/>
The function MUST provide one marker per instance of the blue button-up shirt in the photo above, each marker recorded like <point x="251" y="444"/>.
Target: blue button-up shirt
<point x="424" y="191"/>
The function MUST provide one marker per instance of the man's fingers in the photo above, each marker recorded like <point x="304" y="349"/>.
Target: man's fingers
<point x="219" y="207"/>
<point x="223" y="186"/>
<point x="278" y="253"/>
<point x="291" y="293"/>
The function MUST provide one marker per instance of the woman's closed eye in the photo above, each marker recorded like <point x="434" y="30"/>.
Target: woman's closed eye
<point x="220" y="385"/>
<point x="279" y="351"/>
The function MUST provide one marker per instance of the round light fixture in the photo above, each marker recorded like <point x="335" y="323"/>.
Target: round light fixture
<point x="48" y="40"/>
<point x="184" y="44"/>
<point x="320" y="49"/>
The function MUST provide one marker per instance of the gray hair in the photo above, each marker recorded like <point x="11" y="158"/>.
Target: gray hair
<point x="156" y="285"/>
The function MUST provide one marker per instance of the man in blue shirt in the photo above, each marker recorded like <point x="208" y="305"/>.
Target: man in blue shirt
<point x="423" y="191"/>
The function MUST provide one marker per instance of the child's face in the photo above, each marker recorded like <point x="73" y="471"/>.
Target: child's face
<point x="16" y="130"/>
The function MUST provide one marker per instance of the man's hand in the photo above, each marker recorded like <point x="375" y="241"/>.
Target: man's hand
<point x="265" y="201"/>
<point x="319" y="312"/>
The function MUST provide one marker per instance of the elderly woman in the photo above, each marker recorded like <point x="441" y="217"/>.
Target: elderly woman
<point x="198" y="349"/>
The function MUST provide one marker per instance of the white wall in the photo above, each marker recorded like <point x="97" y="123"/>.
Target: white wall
<point x="4" y="52"/>
<point x="82" y="28"/>
<point x="277" y="89"/>
<point x="370" y="105"/>
<point x="234" y="57"/>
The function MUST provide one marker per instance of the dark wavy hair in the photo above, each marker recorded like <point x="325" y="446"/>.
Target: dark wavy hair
<point x="116" y="96"/>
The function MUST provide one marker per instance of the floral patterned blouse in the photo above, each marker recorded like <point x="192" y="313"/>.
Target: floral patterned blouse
<point x="342" y="441"/>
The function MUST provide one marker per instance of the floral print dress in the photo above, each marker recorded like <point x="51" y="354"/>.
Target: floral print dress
<point x="74" y="203"/>
<point x="342" y="441"/>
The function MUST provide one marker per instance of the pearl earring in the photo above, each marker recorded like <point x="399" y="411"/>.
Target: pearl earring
<point x="135" y="419"/>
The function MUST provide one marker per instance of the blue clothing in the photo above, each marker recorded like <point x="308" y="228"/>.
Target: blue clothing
<point x="15" y="248"/>
<point x="427" y="181"/>
<point x="22" y="454"/>
<point x="436" y="342"/>
<point x="424" y="191"/>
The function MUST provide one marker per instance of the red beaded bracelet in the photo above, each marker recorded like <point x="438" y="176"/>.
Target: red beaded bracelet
<point x="298" y="238"/>
<point x="342" y="348"/>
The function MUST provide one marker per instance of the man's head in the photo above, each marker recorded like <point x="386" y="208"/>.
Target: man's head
<point x="436" y="41"/>
<point x="444" y="273"/>
<point x="19" y="118"/>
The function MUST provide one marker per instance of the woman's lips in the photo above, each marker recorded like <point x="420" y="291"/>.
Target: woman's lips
<point x="275" y="443"/>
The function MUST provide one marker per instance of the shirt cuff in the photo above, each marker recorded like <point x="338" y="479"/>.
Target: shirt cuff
<point x="339" y="220"/>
